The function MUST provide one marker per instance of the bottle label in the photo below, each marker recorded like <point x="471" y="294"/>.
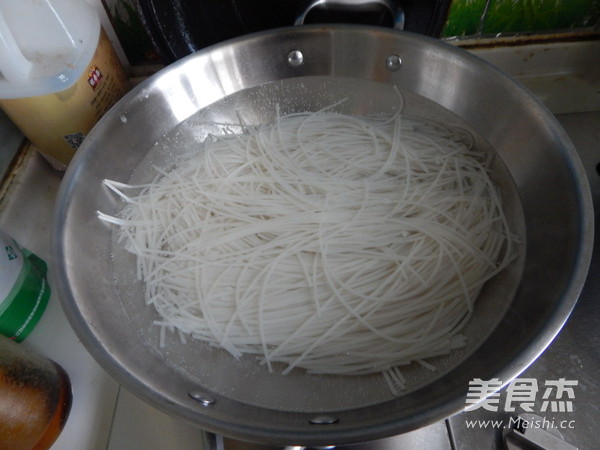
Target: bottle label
<point x="24" y="290"/>
<point x="56" y="124"/>
<point x="11" y="265"/>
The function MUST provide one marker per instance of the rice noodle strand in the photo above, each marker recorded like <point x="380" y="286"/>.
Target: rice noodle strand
<point x="334" y="243"/>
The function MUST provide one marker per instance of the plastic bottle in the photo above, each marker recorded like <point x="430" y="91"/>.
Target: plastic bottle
<point x="35" y="398"/>
<point x="58" y="72"/>
<point x="24" y="292"/>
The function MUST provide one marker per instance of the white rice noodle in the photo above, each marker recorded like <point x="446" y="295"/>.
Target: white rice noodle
<point x="333" y="243"/>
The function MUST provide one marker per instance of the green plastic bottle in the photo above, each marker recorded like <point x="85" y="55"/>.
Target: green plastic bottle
<point x="24" y="291"/>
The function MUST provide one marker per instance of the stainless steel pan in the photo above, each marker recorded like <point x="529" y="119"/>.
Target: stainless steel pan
<point x="307" y="68"/>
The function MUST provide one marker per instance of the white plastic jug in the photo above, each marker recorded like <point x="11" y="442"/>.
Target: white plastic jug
<point x="58" y="72"/>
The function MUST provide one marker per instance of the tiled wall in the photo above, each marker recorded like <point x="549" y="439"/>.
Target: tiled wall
<point x="476" y="18"/>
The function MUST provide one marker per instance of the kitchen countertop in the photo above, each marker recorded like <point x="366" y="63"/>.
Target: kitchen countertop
<point x="25" y="214"/>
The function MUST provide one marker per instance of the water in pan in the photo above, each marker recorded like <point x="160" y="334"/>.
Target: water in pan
<point x="244" y="379"/>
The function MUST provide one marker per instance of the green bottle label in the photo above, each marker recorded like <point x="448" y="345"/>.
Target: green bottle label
<point x="25" y="293"/>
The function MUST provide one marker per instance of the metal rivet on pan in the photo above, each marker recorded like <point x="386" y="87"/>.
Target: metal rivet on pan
<point x="393" y="62"/>
<point x="202" y="397"/>
<point x="323" y="420"/>
<point x="295" y="58"/>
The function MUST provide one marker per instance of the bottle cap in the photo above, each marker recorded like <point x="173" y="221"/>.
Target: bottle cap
<point x="45" y="45"/>
<point x="24" y="291"/>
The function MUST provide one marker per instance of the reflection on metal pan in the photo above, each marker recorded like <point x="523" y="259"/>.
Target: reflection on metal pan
<point x="169" y="113"/>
